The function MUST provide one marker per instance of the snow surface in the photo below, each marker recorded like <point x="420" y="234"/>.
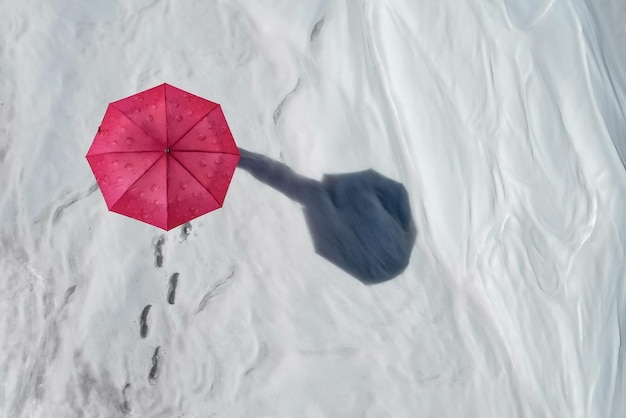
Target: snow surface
<point x="503" y="119"/>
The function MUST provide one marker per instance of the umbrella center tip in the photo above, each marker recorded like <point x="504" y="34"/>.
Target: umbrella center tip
<point x="167" y="150"/>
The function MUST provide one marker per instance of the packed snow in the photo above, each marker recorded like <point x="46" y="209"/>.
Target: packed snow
<point x="504" y="121"/>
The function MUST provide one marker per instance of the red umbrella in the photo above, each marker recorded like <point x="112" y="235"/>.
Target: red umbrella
<point x="163" y="156"/>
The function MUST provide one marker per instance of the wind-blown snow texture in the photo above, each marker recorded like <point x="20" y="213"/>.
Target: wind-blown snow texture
<point x="504" y="120"/>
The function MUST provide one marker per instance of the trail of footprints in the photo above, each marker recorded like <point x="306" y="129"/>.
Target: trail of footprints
<point x="144" y="323"/>
<point x="145" y="313"/>
<point x="144" y="326"/>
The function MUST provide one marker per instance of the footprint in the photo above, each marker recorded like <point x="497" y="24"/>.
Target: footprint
<point x="68" y="294"/>
<point x="218" y="288"/>
<point x="277" y="113"/>
<point x="126" y="404"/>
<point x="185" y="231"/>
<point x="317" y="29"/>
<point x="152" y="377"/>
<point x="143" y="322"/>
<point x="171" y="293"/>
<point x="158" y="251"/>
<point x="279" y="109"/>
<point x="58" y="212"/>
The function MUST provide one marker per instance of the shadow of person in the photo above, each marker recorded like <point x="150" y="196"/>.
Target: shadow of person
<point x="361" y="221"/>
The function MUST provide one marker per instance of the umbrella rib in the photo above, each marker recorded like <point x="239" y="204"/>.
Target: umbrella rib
<point x="134" y="123"/>
<point x="195" y="178"/>
<point x="121" y="152"/>
<point x="208" y="152"/>
<point x="217" y="106"/>
<point x="167" y="161"/>
<point x="167" y="189"/>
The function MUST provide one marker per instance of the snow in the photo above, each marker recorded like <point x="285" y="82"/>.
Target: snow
<point x="504" y="120"/>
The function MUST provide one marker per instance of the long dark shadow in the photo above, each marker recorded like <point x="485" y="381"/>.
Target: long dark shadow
<point x="361" y="221"/>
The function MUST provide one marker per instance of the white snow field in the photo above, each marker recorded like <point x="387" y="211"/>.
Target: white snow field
<point x="504" y="120"/>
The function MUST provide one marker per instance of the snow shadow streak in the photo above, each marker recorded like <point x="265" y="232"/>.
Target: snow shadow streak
<point x="361" y="221"/>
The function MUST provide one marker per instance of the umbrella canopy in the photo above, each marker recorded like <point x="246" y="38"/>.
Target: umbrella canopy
<point x="163" y="156"/>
